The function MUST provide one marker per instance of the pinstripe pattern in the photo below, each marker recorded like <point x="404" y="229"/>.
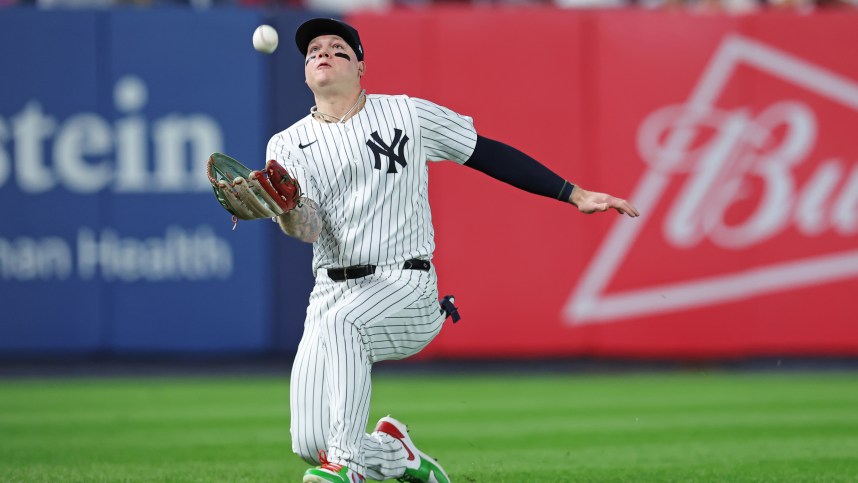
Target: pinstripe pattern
<point x="351" y="325"/>
<point x="371" y="215"/>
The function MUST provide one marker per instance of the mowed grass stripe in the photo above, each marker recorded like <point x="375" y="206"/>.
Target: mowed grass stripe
<point x="499" y="428"/>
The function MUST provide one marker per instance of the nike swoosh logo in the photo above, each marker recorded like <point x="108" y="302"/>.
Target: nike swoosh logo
<point x="302" y="146"/>
<point x="390" y="429"/>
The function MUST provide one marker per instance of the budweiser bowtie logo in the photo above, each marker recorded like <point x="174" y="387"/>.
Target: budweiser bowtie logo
<point x="731" y="181"/>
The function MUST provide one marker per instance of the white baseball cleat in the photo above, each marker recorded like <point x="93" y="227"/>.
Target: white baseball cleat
<point x="419" y="467"/>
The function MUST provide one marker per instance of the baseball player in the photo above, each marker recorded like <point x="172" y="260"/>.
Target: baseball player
<point x="362" y="164"/>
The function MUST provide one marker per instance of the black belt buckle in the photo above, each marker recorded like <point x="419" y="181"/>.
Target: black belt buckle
<point x="350" y="273"/>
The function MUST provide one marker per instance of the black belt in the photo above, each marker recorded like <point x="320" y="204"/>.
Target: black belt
<point x="358" y="271"/>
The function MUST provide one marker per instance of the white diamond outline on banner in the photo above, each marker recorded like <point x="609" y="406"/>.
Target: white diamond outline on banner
<point x="588" y="305"/>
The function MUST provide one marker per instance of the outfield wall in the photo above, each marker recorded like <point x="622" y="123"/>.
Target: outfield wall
<point x="111" y="242"/>
<point x="732" y="135"/>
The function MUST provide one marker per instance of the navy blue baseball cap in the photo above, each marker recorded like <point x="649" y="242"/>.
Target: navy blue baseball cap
<point x="313" y="28"/>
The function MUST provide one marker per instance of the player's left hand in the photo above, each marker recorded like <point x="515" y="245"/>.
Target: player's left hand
<point x="251" y="195"/>
<point x="592" y="201"/>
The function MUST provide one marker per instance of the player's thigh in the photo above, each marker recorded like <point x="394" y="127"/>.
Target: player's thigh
<point x="396" y="312"/>
<point x="410" y="326"/>
<point x="405" y="333"/>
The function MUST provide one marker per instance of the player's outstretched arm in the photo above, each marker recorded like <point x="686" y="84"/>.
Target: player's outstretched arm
<point x="303" y="222"/>
<point x="592" y="201"/>
<point x="507" y="164"/>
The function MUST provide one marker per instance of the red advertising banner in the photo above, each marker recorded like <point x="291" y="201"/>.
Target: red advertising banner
<point x="734" y="137"/>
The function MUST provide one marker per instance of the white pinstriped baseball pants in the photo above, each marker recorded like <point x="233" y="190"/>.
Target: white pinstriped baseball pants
<point x="350" y="325"/>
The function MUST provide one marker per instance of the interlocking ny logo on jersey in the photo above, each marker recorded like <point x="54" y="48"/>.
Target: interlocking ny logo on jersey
<point x="380" y="148"/>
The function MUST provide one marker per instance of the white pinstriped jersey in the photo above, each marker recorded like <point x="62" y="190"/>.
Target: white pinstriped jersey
<point x="369" y="176"/>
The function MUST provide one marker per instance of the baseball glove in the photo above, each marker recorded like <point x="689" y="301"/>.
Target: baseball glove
<point x="250" y="195"/>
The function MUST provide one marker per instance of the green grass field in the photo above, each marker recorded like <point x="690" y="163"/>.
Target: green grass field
<point x="544" y="428"/>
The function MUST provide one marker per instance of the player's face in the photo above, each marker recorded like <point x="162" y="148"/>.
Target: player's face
<point x="330" y="62"/>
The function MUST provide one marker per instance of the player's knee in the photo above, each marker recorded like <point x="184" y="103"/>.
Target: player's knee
<point x="307" y="448"/>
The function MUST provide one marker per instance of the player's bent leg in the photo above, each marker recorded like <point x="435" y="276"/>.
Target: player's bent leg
<point x="358" y="325"/>
<point x="397" y="334"/>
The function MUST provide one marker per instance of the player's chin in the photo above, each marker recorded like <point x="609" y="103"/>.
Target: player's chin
<point x="318" y="81"/>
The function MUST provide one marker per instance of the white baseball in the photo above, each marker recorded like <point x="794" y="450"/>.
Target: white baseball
<point x="265" y="39"/>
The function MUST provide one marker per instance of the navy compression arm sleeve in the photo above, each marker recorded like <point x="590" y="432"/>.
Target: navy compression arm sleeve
<point x="513" y="167"/>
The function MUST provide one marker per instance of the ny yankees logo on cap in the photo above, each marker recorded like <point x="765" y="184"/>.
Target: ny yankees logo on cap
<point x="380" y="148"/>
